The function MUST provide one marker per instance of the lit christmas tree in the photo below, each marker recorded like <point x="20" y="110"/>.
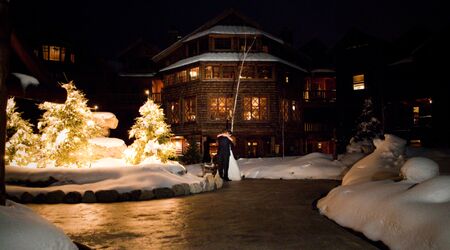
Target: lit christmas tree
<point x="152" y="135"/>
<point x="21" y="142"/>
<point x="65" y="130"/>
<point x="368" y="128"/>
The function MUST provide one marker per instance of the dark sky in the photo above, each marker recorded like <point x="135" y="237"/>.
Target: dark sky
<point x="109" y="26"/>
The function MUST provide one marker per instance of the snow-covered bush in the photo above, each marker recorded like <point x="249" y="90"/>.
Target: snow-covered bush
<point x="21" y="142"/>
<point x="65" y="130"/>
<point x="152" y="135"/>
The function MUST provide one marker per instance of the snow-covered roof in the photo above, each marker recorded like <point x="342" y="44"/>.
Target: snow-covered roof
<point x="231" y="57"/>
<point x="136" y="74"/>
<point x="232" y="30"/>
<point x="323" y="71"/>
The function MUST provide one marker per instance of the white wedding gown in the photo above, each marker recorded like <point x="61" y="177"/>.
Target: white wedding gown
<point x="234" y="173"/>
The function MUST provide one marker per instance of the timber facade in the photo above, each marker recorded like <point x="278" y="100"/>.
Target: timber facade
<point x="200" y="75"/>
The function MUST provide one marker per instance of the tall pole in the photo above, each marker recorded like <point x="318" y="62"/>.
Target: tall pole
<point x="246" y="51"/>
<point x="5" y="33"/>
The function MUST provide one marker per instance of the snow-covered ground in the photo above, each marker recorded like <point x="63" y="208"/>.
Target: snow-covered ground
<point x="412" y="213"/>
<point x="311" y="166"/>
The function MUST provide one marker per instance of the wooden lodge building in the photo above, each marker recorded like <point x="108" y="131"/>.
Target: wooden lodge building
<point x="198" y="79"/>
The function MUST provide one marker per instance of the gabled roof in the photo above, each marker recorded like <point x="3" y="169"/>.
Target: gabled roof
<point x="229" y="17"/>
<point x="230" y="57"/>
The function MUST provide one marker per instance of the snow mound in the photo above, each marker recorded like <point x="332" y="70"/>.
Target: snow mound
<point x="400" y="214"/>
<point x="383" y="163"/>
<point x="22" y="228"/>
<point x="310" y="166"/>
<point x="419" y="169"/>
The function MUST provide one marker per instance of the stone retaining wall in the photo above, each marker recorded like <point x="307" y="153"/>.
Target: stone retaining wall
<point x="210" y="183"/>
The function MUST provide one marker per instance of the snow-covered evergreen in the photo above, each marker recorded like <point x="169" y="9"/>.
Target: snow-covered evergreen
<point x="368" y="128"/>
<point x="65" y="130"/>
<point x="152" y="135"/>
<point x="21" y="142"/>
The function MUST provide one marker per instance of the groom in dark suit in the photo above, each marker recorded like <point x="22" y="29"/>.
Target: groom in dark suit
<point x="223" y="153"/>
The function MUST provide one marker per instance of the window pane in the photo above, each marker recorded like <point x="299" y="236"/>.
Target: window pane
<point x="189" y="109"/>
<point x="228" y="72"/>
<point x="222" y="43"/>
<point x="264" y="72"/>
<point x="216" y="72"/>
<point x="220" y="107"/>
<point x="248" y="72"/>
<point x="45" y="52"/>
<point x="208" y="72"/>
<point x="193" y="73"/>
<point x="173" y="112"/>
<point x="181" y="76"/>
<point x="54" y="53"/>
<point x="63" y="54"/>
<point x="358" y="82"/>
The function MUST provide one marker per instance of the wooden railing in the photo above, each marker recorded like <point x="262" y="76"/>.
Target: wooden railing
<point x="319" y="95"/>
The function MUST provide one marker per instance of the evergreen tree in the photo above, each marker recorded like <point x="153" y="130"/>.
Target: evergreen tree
<point x="65" y="130"/>
<point x="21" y="142"/>
<point x="152" y="135"/>
<point x="192" y="154"/>
<point x="368" y="128"/>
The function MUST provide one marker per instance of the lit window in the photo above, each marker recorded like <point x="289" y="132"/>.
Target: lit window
<point x="358" y="82"/>
<point x="173" y="112"/>
<point x="286" y="77"/>
<point x="295" y="111"/>
<point x="55" y="53"/>
<point x="193" y="73"/>
<point x="181" y="76"/>
<point x="255" y="108"/>
<point x="45" y="52"/>
<point x="189" y="109"/>
<point x="416" y="115"/>
<point x="221" y="107"/>
<point x="212" y="72"/>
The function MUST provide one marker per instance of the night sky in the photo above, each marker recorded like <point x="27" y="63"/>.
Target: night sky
<point x="107" y="27"/>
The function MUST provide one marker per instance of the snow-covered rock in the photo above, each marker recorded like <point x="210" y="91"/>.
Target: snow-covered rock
<point x="419" y="169"/>
<point x="106" y="120"/>
<point x="22" y="228"/>
<point x="104" y="147"/>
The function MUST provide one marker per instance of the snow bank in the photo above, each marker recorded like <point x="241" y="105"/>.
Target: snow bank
<point x="401" y="215"/>
<point x="105" y="174"/>
<point x="22" y="228"/>
<point x="383" y="163"/>
<point x="409" y="214"/>
<point x="311" y="166"/>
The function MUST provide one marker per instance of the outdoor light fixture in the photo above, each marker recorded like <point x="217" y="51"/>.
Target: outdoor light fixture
<point x="147" y="92"/>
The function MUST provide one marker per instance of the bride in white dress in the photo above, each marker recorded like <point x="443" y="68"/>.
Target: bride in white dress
<point x="234" y="173"/>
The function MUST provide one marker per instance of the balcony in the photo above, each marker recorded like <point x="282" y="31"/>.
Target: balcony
<point x="319" y="96"/>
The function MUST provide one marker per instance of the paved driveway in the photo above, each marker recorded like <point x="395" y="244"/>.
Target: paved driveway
<point x="250" y="214"/>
